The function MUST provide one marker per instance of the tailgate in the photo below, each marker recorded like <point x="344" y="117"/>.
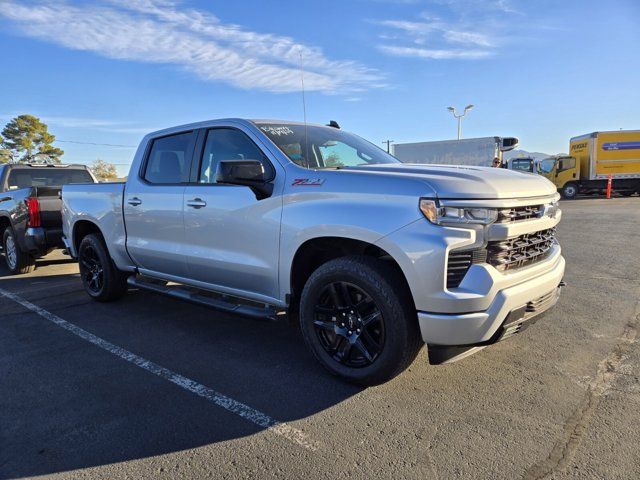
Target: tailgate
<point x="50" y="206"/>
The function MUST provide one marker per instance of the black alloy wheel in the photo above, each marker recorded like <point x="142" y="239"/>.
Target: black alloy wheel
<point x="101" y="278"/>
<point x="92" y="270"/>
<point x="349" y="324"/>
<point x="358" y="319"/>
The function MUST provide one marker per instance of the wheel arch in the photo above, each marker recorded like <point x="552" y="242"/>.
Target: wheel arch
<point x="81" y="229"/>
<point x="5" y="222"/>
<point x="316" y="251"/>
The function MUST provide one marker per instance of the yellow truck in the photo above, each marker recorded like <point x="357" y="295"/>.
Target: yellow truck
<point x="592" y="158"/>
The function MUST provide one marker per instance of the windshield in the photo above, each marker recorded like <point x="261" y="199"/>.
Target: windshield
<point x="325" y="147"/>
<point x="546" y="165"/>
<point x="523" y="165"/>
<point x="46" y="177"/>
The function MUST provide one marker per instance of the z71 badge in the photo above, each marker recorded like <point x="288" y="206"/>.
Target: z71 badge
<point x="307" y="182"/>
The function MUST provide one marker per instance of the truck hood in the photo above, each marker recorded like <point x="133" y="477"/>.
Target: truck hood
<point x="467" y="182"/>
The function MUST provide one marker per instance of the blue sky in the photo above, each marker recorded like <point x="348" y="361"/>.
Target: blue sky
<point x="106" y="72"/>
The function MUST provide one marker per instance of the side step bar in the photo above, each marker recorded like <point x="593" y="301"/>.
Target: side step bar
<point x="193" y="295"/>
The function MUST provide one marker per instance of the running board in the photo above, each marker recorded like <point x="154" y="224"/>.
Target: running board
<point x="201" y="297"/>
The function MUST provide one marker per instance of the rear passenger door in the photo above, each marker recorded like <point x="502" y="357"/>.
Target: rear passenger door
<point x="153" y="202"/>
<point x="231" y="236"/>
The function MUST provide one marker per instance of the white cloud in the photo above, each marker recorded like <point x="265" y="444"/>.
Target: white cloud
<point x="434" y="54"/>
<point x="482" y="6"/>
<point x="87" y="123"/>
<point x="157" y="31"/>
<point x="472" y="29"/>
<point x="436" y="30"/>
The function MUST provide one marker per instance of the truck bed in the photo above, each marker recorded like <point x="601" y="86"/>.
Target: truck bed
<point x="100" y="203"/>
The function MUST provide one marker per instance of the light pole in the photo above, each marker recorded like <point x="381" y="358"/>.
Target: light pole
<point x="459" y="117"/>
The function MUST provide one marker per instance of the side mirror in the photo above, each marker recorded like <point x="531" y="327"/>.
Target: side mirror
<point x="249" y="173"/>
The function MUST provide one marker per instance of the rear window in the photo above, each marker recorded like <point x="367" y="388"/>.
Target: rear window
<point x="170" y="159"/>
<point x="46" y="177"/>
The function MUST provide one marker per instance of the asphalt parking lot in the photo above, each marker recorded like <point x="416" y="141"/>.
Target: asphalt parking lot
<point x="560" y="400"/>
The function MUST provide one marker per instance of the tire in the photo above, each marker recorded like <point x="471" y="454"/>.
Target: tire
<point x="17" y="261"/>
<point x="376" y="315"/>
<point x="569" y="191"/>
<point x="101" y="279"/>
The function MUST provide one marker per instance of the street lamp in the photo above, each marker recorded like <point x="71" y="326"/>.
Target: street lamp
<point x="459" y="117"/>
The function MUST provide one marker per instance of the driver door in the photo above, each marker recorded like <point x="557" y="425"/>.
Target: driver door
<point x="231" y="237"/>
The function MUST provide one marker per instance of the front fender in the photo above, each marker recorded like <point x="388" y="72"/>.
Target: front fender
<point x="366" y="218"/>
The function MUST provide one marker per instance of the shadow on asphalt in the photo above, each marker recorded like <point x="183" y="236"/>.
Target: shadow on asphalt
<point x="66" y="404"/>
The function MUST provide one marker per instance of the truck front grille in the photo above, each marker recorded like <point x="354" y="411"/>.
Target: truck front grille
<point x="460" y="261"/>
<point x="516" y="214"/>
<point x="520" y="251"/>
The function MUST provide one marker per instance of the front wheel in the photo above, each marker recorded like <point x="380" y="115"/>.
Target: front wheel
<point x="359" y="321"/>
<point x="569" y="191"/>
<point x="100" y="277"/>
<point x="17" y="261"/>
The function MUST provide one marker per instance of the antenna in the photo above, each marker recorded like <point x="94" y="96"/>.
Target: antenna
<point x="304" y="111"/>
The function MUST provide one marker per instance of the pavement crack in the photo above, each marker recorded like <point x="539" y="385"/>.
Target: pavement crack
<point x="576" y="426"/>
<point x="433" y="466"/>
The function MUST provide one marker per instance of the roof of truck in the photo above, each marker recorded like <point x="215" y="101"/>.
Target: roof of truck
<point x="47" y="165"/>
<point x="595" y="134"/>
<point x="245" y="121"/>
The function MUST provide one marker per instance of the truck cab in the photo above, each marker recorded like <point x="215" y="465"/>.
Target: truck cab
<point x="523" y="164"/>
<point x="563" y="171"/>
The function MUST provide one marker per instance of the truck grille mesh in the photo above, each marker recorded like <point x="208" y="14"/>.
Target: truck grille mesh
<point x="516" y="214"/>
<point x="520" y="251"/>
<point x="505" y="255"/>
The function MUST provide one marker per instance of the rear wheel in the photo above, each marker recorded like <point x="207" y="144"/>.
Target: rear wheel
<point x="358" y="320"/>
<point x="17" y="261"/>
<point x="100" y="277"/>
<point x="569" y="191"/>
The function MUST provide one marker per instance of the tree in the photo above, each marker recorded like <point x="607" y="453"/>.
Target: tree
<point x="105" y="171"/>
<point x="26" y="137"/>
<point x="5" y="155"/>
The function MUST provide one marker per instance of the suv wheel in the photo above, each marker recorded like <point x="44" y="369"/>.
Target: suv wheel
<point x="100" y="277"/>
<point x="17" y="261"/>
<point x="358" y="321"/>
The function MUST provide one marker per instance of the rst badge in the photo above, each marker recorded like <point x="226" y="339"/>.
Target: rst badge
<point x="307" y="182"/>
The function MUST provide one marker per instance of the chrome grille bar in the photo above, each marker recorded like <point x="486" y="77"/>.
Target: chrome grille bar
<point x="522" y="250"/>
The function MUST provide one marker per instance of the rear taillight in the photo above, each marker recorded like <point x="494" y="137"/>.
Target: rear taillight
<point x="33" y="207"/>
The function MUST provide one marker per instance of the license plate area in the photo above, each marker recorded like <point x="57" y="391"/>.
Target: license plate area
<point x="528" y="314"/>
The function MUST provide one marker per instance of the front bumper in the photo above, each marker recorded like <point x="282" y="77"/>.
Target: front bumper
<point x="509" y="306"/>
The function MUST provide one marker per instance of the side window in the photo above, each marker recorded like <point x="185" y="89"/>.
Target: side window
<point x="227" y="144"/>
<point x="170" y="158"/>
<point x="566" y="164"/>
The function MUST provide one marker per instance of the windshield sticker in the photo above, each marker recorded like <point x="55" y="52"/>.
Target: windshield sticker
<point x="307" y="182"/>
<point x="279" y="131"/>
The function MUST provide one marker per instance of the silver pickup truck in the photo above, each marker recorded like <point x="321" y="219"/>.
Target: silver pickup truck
<point x="373" y="257"/>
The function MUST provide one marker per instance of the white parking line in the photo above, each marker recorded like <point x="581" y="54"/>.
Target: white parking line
<point x="248" y="413"/>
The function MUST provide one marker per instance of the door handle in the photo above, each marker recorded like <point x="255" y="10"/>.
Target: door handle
<point x="196" y="203"/>
<point x="135" y="201"/>
<point x="4" y="199"/>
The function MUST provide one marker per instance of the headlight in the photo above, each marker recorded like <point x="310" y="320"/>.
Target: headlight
<point x="457" y="216"/>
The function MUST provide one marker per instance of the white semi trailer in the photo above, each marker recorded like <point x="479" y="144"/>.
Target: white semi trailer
<point x="469" y="151"/>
